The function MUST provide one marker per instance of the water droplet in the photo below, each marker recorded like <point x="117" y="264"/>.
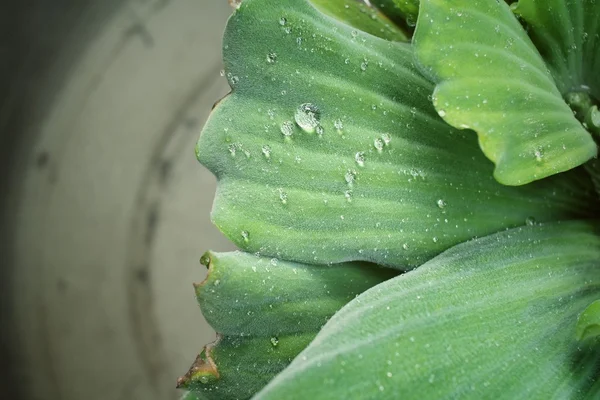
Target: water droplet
<point x="442" y="113"/>
<point x="378" y="143"/>
<point x="283" y="196"/>
<point x="266" y="150"/>
<point x="287" y="128"/>
<point x="222" y="72"/>
<point x="204" y="379"/>
<point x="274" y="341"/>
<point x="348" y="195"/>
<point x="205" y="260"/>
<point x="338" y="124"/>
<point x="274" y="262"/>
<point x="217" y="282"/>
<point x="282" y="21"/>
<point x="441" y="203"/>
<point x="271" y="58"/>
<point x="232" y="149"/>
<point x="319" y="129"/>
<point x="364" y="65"/>
<point x="530" y="221"/>
<point x="354" y="34"/>
<point x="387" y="138"/>
<point x="350" y="177"/>
<point x="360" y="158"/>
<point x="245" y="236"/>
<point x="307" y="117"/>
<point x="539" y="155"/>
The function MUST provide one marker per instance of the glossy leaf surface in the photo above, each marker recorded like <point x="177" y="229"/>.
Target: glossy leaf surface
<point x="492" y="318"/>
<point x="492" y="80"/>
<point x="329" y="150"/>
<point x="361" y="16"/>
<point x="567" y="33"/>
<point x="266" y="311"/>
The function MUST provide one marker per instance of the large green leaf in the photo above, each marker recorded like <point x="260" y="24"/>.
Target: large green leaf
<point x="492" y="79"/>
<point x="382" y="178"/>
<point x="494" y="318"/>
<point x="266" y="311"/>
<point x="567" y="33"/>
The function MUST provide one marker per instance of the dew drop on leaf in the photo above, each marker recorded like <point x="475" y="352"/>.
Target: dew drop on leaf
<point x="271" y="58"/>
<point x="350" y="177"/>
<point x="307" y="117"/>
<point x="530" y="221"/>
<point x="378" y="143"/>
<point x="441" y="203"/>
<point x="287" y="128"/>
<point x="266" y="150"/>
<point x="274" y="341"/>
<point x="282" y="21"/>
<point x="283" y="196"/>
<point x="245" y="236"/>
<point x="360" y="158"/>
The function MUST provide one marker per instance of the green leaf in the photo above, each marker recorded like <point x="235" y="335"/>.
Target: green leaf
<point x="567" y="33"/>
<point x="408" y="9"/>
<point x="493" y="318"/>
<point x="266" y="311"/>
<point x="361" y="16"/>
<point x="387" y="180"/>
<point x="492" y="79"/>
<point x="588" y="324"/>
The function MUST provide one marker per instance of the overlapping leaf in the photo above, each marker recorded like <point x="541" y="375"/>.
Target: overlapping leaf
<point x="266" y="311"/>
<point x="567" y="33"/>
<point x="329" y="149"/>
<point x="362" y="16"/>
<point x="492" y="79"/>
<point x="494" y="318"/>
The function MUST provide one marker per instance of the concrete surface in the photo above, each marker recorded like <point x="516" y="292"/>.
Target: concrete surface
<point x="112" y="210"/>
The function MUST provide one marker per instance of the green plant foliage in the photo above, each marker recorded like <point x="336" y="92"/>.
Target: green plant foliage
<point x="567" y="34"/>
<point x="492" y="79"/>
<point x="362" y="16"/>
<point x="495" y="315"/>
<point x="329" y="139"/>
<point x="342" y="142"/>
<point x="588" y="324"/>
<point x="265" y="312"/>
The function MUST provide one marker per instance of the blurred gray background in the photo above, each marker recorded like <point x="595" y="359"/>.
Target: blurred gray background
<point x="104" y="209"/>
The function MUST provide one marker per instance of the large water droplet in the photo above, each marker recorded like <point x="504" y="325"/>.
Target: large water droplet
<point x="274" y="341"/>
<point x="282" y="21"/>
<point x="441" y="203"/>
<point x="307" y="117"/>
<point x="378" y="143"/>
<point x="287" y="128"/>
<point x="338" y="124"/>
